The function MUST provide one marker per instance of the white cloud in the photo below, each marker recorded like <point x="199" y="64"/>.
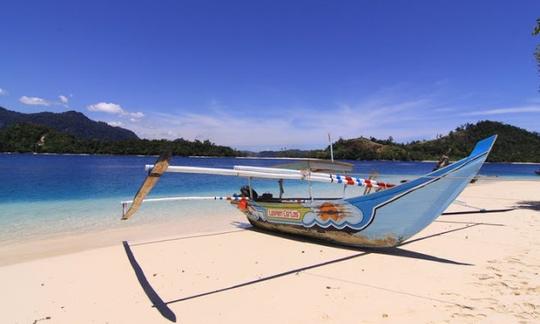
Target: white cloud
<point x="63" y="99"/>
<point x="500" y="111"/>
<point x="115" y="123"/>
<point x="34" y="101"/>
<point x="115" y="109"/>
<point x="107" y="107"/>
<point x="3" y="92"/>
<point x="136" y="115"/>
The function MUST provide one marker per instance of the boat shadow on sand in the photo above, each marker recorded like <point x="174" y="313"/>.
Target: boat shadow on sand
<point x="165" y="311"/>
<point x="529" y="204"/>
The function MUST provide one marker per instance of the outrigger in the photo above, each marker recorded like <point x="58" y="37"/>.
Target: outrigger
<point x="383" y="218"/>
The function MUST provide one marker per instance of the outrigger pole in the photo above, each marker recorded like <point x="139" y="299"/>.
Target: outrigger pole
<point x="125" y="203"/>
<point x="154" y="173"/>
<point x="274" y="173"/>
<point x="230" y="198"/>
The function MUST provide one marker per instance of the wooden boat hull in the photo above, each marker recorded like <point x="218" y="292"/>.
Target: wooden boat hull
<point x="333" y="236"/>
<point x="382" y="219"/>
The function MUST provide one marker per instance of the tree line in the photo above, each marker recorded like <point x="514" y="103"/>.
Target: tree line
<point x="24" y="138"/>
<point x="513" y="145"/>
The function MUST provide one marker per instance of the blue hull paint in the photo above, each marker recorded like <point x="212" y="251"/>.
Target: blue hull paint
<point x="382" y="219"/>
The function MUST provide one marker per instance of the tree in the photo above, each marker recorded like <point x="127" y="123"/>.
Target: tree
<point x="536" y="32"/>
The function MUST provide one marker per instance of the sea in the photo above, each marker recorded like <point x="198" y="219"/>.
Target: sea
<point x="43" y="195"/>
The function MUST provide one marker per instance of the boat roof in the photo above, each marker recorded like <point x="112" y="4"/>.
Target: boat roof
<point x="318" y="165"/>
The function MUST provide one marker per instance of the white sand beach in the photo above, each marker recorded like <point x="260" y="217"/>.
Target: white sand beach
<point x="464" y="268"/>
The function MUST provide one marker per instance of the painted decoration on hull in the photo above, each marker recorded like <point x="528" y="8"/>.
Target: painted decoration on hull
<point x="333" y="214"/>
<point x="338" y="214"/>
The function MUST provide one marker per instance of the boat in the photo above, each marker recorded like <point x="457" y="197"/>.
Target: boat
<point x="384" y="217"/>
<point x="537" y="172"/>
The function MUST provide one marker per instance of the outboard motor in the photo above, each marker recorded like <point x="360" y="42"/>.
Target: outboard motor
<point x="266" y="197"/>
<point x="245" y="192"/>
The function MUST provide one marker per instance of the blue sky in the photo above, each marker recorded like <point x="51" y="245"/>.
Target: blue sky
<point x="271" y="74"/>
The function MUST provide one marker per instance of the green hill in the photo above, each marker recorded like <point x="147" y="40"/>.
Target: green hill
<point x="513" y="144"/>
<point x="70" y="122"/>
<point x="368" y="149"/>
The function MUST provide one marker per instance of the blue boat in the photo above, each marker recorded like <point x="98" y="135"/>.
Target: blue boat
<point x="384" y="218"/>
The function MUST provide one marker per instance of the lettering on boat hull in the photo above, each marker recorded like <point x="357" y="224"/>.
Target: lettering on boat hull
<point x="284" y="214"/>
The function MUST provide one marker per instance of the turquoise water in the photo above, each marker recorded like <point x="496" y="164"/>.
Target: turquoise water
<point x="47" y="194"/>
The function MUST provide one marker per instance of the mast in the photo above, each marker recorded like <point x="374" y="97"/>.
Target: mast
<point x="331" y="149"/>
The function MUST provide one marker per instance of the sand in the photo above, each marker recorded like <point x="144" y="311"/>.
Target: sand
<point x="464" y="268"/>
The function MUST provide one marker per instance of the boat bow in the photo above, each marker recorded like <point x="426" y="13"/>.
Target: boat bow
<point x="404" y="210"/>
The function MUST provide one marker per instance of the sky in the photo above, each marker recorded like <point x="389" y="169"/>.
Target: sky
<point x="274" y="74"/>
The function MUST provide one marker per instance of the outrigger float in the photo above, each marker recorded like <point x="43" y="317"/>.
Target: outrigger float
<point x="383" y="218"/>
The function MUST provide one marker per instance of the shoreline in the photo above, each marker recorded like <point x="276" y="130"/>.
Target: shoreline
<point x="244" y="157"/>
<point x="96" y="237"/>
<point x="464" y="268"/>
<point x="199" y="220"/>
<point x="84" y="217"/>
<point x="57" y="243"/>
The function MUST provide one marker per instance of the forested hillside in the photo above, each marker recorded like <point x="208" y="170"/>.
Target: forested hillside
<point x="70" y="122"/>
<point x="73" y="132"/>
<point x="513" y="144"/>
<point x="40" y="139"/>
